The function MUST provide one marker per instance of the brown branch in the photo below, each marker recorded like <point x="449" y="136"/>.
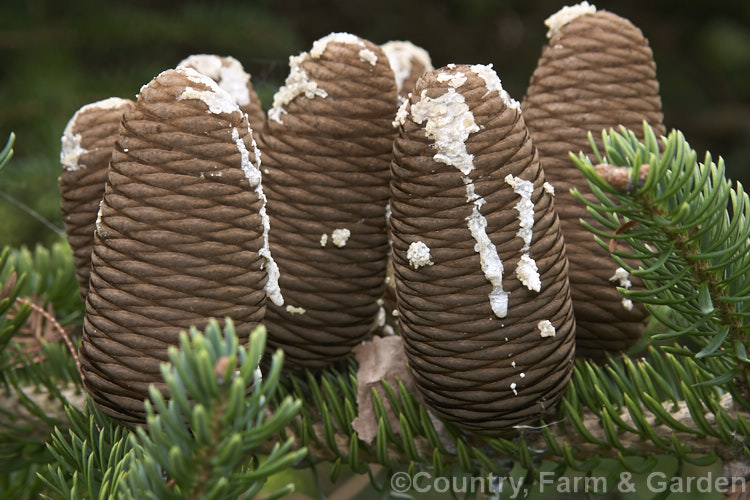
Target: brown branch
<point x="57" y="327"/>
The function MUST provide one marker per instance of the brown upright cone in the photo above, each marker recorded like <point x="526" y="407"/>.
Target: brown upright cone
<point x="481" y="274"/>
<point x="229" y="74"/>
<point x="87" y="145"/>
<point x="178" y="240"/>
<point x="326" y="153"/>
<point x="596" y="72"/>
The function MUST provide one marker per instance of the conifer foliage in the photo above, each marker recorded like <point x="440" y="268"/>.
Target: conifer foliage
<point x="224" y="425"/>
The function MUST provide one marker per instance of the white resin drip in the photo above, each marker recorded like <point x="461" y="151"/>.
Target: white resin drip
<point x="296" y="84"/>
<point x="455" y="80"/>
<point x="368" y="56"/>
<point x="492" y="266"/>
<point x="208" y="64"/>
<point x="379" y="320"/>
<point x="381" y="317"/>
<point x="340" y="237"/>
<point x="526" y="270"/>
<point x="546" y="328"/>
<point x="71" y="149"/>
<point x="621" y="277"/>
<point x="528" y="274"/>
<point x="216" y="98"/>
<point x="493" y="84"/>
<point x="419" y="255"/>
<point x="226" y="71"/>
<point x="449" y="123"/>
<point x="567" y="14"/>
<point x="471" y="195"/>
<point x="252" y="172"/>
<point x="525" y="208"/>
<point x="401" y="56"/>
<point x="235" y="80"/>
<point x="295" y="310"/>
<point x="323" y="239"/>
<point x="549" y="188"/>
<point x="401" y="114"/>
<point x="319" y="46"/>
<point x="513" y="388"/>
<point x="99" y="217"/>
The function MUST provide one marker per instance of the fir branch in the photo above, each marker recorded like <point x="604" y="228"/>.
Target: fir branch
<point x="47" y="274"/>
<point x="688" y="227"/>
<point x="206" y="441"/>
<point x="219" y="432"/>
<point x="89" y="458"/>
<point x="37" y="379"/>
<point x="621" y="410"/>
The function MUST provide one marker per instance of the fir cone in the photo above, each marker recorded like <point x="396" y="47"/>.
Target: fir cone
<point x="181" y="237"/>
<point x="229" y="74"/>
<point x="479" y="259"/>
<point x="87" y="145"/>
<point x="326" y="154"/>
<point x="596" y="72"/>
<point x="408" y="62"/>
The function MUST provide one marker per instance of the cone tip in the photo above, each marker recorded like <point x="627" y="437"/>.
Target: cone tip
<point x="226" y="71"/>
<point x="493" y="84"/>
<point x="319" y="46"/>
<point x="562" y="17"/>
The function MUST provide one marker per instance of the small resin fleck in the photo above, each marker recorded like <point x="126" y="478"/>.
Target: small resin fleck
<point x="546" y="328"/>
<point x="340" y="237"/>
<point x="419" y="255"/>
<point x="295" y="310"/>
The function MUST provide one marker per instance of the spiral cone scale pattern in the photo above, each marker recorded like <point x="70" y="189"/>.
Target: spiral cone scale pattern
<point x="181" y="237"/>
<point x="596" y="72"/>
<point x="479" y="260"/>
<point x="87" y="145"/>
<point x="326" y="154"/>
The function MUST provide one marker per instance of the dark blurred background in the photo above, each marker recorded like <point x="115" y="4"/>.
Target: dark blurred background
<point x="57" y="56"/>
